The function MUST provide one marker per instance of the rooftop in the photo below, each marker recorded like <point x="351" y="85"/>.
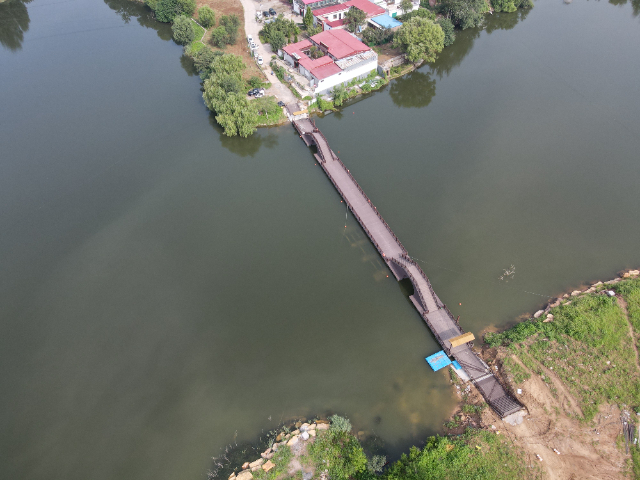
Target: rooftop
<point x="385" y="21"/>
<point x="340" y="43"/>
<point x="365" y="5"/>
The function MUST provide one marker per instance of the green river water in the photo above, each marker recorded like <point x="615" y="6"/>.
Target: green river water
<point x="166" y="291"/>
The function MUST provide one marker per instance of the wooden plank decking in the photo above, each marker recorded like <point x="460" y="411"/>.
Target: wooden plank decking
<point x="435" y="314"/>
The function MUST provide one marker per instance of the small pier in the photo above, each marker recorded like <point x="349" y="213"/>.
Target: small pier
<point x="432" y="310"/>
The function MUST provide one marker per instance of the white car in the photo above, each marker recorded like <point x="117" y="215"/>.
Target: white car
<point x="253" y="45"/>
<point x="259" y="60"/>
<point x="249" y="39"/>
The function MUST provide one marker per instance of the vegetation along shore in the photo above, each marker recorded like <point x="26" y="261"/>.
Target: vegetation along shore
<point x="214" y="35"/>
<point x="575" y="367"/>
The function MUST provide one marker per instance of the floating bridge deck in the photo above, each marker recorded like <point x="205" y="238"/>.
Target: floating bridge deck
<point x="434" y="312"/>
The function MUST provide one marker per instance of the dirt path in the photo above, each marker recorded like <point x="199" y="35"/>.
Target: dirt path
<point x="623" y="306"/>
<point x="252" y="27"/>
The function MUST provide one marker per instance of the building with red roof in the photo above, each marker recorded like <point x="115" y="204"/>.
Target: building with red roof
<point x="333" y="16"/>
<point x="331" y="58"/>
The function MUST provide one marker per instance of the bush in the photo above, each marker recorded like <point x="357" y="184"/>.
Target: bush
<point x="206" y="16"/>
<point x="182" y="29"/>
<point x="324" y="105"/>
<point x="449" y="31"/>
<point x="255" y="82"/>
<point x="203" y="60"/>
<point x="231" y="23"/>
<point x="219" y="37"/>
<point x="167" y="10"/>
<point x="377" y="36"/>
<point x="464" y="13"/>
<point x="340" y="424"/>
<point x="338" y="452"/>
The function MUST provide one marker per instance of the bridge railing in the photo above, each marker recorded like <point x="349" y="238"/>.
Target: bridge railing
<point x="372" y="206"/>
<point x="433" y="293"/>
<point x="414" y="282"/>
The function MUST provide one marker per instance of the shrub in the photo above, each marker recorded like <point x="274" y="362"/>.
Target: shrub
<point x="338" y="452"/>
<point x="202" y="61"/>
<point x="464" y="13"/>
<point x="167" y="10"/>
<point x="377" y="36"/>
<point x="449" y="31"/>
<point x="219" y="37"/>
<point x="206" y="16"/>
<point x="231" y="23"/>
<point x="340" y="424"/>
<point x="182" y="29"/>
<point x="255" y="82"/>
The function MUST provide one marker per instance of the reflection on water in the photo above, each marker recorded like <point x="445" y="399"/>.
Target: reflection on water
<point x="635" y="5"/>
<point x="245" y="147"/>
<point x="14" y="22"/>
<point x="414" y="90"/>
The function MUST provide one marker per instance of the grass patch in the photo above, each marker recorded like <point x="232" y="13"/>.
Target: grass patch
<point x="476" y="454"/>
<point x="630" y="291"/>
<point x="194" y="47"/>
<point x="470" y="409"/>
<point x="199" y="31"/>
<point x="518" y="373"/>
<point x="635" y="461"/>
<point x="281" y="458"/>
<point x="577" y="345"/>
<point x="268" y="110"/>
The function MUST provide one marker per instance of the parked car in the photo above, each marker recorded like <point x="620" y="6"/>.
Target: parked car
<point x="272" y="12"/>
<point x="265" y="14"/>
<point x="253" y="45"/>
<point x="249" y="39"/>
<point x="259" y="94"/>
<point x="281" y="103"/>
<point x="259" y="60"/>
<point x="252" y="92"/>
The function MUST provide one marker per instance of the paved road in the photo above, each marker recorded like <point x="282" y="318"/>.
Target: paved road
<point x="280" y="91"/>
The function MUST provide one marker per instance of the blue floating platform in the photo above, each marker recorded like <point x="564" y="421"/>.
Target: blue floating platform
<point x="438" y="360"/>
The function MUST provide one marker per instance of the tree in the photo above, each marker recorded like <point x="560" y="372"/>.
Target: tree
<point x="308" y="18"/>
<point x="421" y="39"/>
<point x="231" y="23"/>
<point x="224" y="95"/>
<point x="406" y="6"/>
<point x="340" y="94"/>
<point x="167" y="10"/>
<point x="186" y="7"/>
<point x="182" y="29"/>
<point x="206" y="16"/>
<point x="277" y="40"/>
<point x="219" y="37"/>
<point x="464" y="13"/>
<point x="355" y="18"/>
<point x="203" y="60"/>
<point x="448" y="29"/>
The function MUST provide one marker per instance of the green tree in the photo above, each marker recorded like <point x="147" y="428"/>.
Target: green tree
<point x="231" y="23"/>
<point x="219" y="37"/>
<point x="167" y="10"/>
<point x="186" y="7"/>
<point x="308" y="18"/>
<point x="277" y="40"/>
<point x="421" y="39"/>
<point x="448" y="29"/>
<point x="504" y="5"/>
<point x="340" y="453"/>
<point x="182" y="29"/>
<point x="355" y="18"/>
<point x="203" y="60"/>
<point x="224" y="95"/>
<point x="406" y="6"/>
<point x="340" y="94"/>
<point x="206" y="16"/>
<point x="464" y="13"/>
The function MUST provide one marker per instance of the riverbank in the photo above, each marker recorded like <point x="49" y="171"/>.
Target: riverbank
<point x="575" y="367"/>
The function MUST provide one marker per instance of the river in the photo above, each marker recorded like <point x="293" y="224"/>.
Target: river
<point x="167" y="291"/>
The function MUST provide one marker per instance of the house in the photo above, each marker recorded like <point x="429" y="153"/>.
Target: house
<point x="392" y="7"/>
<point x="385" y="21"/>
<point x="300" y="6"/>
<point x="341" y="57"/>
<point x="333" y="16"/>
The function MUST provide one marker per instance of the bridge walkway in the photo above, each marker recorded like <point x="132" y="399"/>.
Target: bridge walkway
<point x="435" y="313"/>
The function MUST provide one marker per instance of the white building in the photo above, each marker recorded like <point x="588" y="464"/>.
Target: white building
<point x="344" y="58"/>
<point x="334" y="15"/>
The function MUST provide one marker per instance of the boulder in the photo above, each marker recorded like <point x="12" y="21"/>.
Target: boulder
<point x="626" y="275"/>
<point x="257" y="463"/>
<point x="279" y="437"/>
<point x="312" y="426"/>
<point x="597" y="284"/>
<point x="633" y="273"/>
<point x="295" y="432"/>
<point x="275" y="447"/>
<point x="245" y="465"/>
<point x="575" y="292"/>
<point x="304" y="426"/>
<point x="555" y="303"/>
<point x="232" y="476"/>
<point x="305" y="435"/>
<point x="322" y="426"/>
<point x="298" y="424"/>
<point x="293" y="440"/>
<point x="312" y="433"/>
<point x="268" y="466"/>
<point x="255" y="469"/>
<point x="538" y="313"/>
<point x="244" y="475"/>
<point x="548" y="319"/>
<point x="269" y="456"/>
<point x="322" y="421"/>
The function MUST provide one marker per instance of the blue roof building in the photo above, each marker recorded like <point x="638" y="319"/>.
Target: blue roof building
<point x="385" y="21"/>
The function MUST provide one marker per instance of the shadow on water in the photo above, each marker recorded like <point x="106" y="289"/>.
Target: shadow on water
<point x="128" y="10"/>
<point x="414" y="90"/>
<point x="14" y="22"/>
<point x="245" y="147"/>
